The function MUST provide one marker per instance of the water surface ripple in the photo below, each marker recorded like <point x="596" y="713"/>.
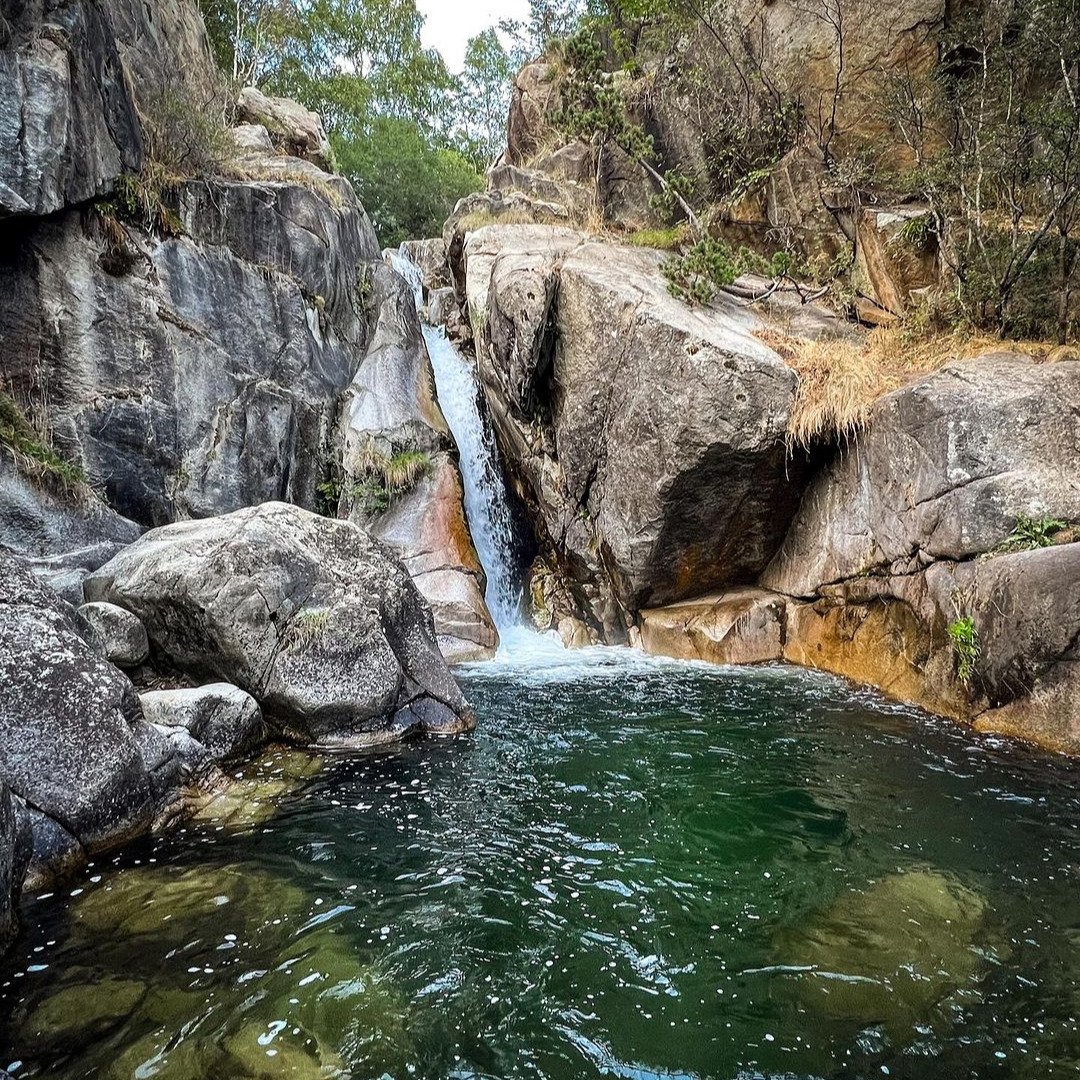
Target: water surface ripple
<point x="633" y="869"/>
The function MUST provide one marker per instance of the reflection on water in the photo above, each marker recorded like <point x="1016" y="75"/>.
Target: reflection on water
<point x="634" y="869"/>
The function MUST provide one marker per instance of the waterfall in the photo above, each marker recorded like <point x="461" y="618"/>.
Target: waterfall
<point x="487" y="506"/>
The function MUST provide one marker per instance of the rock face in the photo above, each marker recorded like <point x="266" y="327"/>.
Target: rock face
<point x="69" y="119"/>
<point x="390" y="416"/>
<point x="172" y="405"/>
<point x="295" y="130"/>
<point x="311" y="616"/>
<point x="944" y="470"/>
<point x="902" y="569"/>
<point x="95" y="773"/>
<point x="649" y="438"/>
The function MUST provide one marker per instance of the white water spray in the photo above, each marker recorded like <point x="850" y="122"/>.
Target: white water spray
<point x="486" y="504"/>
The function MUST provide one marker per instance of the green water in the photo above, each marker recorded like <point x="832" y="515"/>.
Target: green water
<point x="631" y="870"/>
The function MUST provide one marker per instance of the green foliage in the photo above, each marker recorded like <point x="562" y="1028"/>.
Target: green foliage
<point x="1031" y="533"/>
<point x="380" y="479"/>
<point x="711" y="264"/>
<point x="33" y="454"/>
<point x="139" y="200"/>
<point x="593" y="106"/>
<point x="408" y="185"/>
<point x="671" y="239"/>
<point x="965" y="644"/>
<point x="484" y="98"/>
<point x="705" y="267"/>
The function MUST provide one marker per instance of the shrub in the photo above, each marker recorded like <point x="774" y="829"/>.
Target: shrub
<point x="1032" y="533"/>
<point x="965" y="643"/>
<point x="33" y="454"/>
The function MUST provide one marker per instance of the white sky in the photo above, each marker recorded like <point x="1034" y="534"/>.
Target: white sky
<point x="450" y="23"/>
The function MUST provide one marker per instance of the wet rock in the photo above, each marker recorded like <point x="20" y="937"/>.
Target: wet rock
<point x="55" y="853"/>
<point x="427" y="530"/>
<point x="312" y="617"/>
<point x="224" y="720"/>
<point x="894" y="954"/>
<point x="119" y="634"/>
<point x="744" y="626"/>
<point x="12" y="863"/>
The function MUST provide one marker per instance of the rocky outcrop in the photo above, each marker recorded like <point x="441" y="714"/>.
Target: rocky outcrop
<point x="70" y="120"/>
<point x="173" y="406"/>
<point x="95" y="774"/>
<point x="312" y="617"/>
<point x="943" y="471"/>
<point x="426" y="529"/>
<point x="904" y="567"/>
<point x="296" y="131"/>
<point x="392" y="422"/>
<point x="648" y="437"/>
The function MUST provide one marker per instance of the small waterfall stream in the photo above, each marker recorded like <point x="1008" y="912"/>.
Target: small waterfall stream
<point x="486" y="502"/>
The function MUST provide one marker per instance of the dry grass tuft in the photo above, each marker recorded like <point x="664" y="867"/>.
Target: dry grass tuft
<point x="480" y="219"/>
<point x="841" y="378"/>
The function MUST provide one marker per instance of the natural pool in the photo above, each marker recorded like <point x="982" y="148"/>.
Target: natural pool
<point x="633" y="869"/>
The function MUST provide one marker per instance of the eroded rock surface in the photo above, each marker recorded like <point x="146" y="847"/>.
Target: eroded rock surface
<point x="314" y="618"/>
<point x="222" y="719"/>
<point x="649" y="437"/>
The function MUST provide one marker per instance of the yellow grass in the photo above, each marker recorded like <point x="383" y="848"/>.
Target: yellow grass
<point x="841" y="378"/>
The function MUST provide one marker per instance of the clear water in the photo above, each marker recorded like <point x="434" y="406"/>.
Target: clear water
<point x="632" y="869"/>
<point x="486" y="505"/>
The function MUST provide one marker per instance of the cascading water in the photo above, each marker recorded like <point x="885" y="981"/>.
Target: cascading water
<point x="486" y="503"/>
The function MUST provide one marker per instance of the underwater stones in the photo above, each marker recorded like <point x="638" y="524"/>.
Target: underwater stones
<point x="224" y="719"/>
<point x="120" y="635"/>
<point x="895" y="954"/>
<point x="83" y="1011"/>
<point x="314" y="618"/>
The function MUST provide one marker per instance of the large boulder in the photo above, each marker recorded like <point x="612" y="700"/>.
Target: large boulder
<point x="311" y="616"/>
<point x="73" y="742"/>
<point x="648" y="437"/>
<point x="944" y="469"/>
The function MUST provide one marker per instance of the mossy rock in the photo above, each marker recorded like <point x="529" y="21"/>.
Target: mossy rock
<point x="895" y="954"/>
<point x="82" y="1012"/>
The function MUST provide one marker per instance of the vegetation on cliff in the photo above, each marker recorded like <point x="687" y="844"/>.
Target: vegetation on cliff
<point x="969" y="116"/>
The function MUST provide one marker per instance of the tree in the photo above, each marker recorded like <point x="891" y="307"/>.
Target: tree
<point x="407" y="184"/>
<point x="484" y="97"/>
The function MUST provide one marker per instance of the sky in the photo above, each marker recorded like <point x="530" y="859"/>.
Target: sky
<point x="450" y="23"/>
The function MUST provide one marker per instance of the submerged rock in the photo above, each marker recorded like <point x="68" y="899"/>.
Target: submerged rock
<point x="311" y="616"/>
<point x="897" y="954"/>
